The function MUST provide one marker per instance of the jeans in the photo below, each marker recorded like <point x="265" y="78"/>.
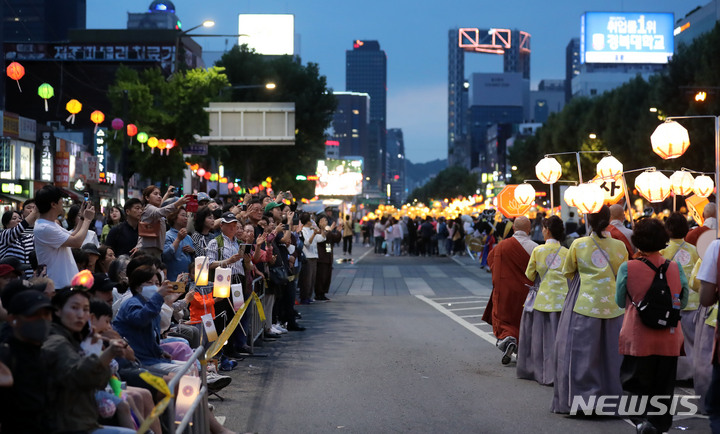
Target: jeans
<point x="396" y="245"/>
<point x="378" y="244"/>
<point x="347" y="244"/>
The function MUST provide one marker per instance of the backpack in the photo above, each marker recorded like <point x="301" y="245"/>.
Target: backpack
<point x="658" y="309"/>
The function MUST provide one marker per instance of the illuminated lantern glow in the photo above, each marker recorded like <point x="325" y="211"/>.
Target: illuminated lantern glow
<point x="548" y="170"/>
<point x="670" y="140"/>
<point x="201" y="172"/>
<point x="153" y="143"/>
<point x="97" y="117"/>
<point x="609" y="167"/>
<point x="570" y="195"/>
<point x="214" y="177"/>
<point x="703" y="186"/>
<point x="682" y="183"/>
<point x="653" y="186"/>
<point x="142" y="138"/>
<point x="230" y="185"/>
<point x="202" y="270"/>
<point x="236" y="189"/>
<point x="589" y="198"/>
<point x="74" y="107"/>
<point x="195" y="167"/>
<point x="83" y="278"/>
<point x="16" y="71"/>
<point x="170" y="144"/>
<point x="221" y="286"/>
<point x="224" y="180"/>
<point x="525" y="194"/>
<point x="162" y="144"/>
<point x="45" y="91"/>
<point x="117" y="124"/>
<point x="131" y="130"/>
<point x="207" y="175"/>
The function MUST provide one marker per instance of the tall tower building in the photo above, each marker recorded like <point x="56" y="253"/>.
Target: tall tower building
<point x="40" y="20"/>
<point x="350" y="123"/>
<point x="572" y="65"/>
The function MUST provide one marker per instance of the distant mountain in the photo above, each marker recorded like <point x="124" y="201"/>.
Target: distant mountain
<point x="418" y="174"/>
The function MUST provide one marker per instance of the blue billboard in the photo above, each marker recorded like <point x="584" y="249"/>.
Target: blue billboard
<point x="626" y="37"/>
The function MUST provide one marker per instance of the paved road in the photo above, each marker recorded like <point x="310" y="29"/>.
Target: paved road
<point x="401" y="348"/>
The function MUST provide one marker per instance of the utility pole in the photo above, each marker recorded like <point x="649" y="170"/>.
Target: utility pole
<point x="125" y="153"/>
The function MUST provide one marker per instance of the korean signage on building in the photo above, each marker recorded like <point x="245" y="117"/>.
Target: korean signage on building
<point x="46" y="159"/>
<point x="62" y="169"/>
<point x="100" y="152"/>
<point x="623" y="37"/>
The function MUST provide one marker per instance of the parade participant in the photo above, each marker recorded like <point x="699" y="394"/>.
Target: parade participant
<point x="709" y="222"/>
<point x="708" y="276"/>
<point x="323" y="275"/>
<point x="650" y="355"/>
<point x="587" y="358"/>
<point x="617" y="228"/>
<point x="538" y="325"/>
<point x="508" y="262"/>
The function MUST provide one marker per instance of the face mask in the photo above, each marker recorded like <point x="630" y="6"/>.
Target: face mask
<point x="34" y="331"/>
<point x="148" y="291"/>
<point x="291" y="249"/>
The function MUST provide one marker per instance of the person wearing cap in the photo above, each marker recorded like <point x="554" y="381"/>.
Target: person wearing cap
<point x="275" y="209"/>
<point x="102" y="289"/>
<point x="93" y="255"/>
<point x="151" y="232"/>
<point x="25" y="403"/>
<point x="123" y="237"/>
<point x="53" y="244"/>
<point x="18" y="267"/>
<point x="179" y="250"/>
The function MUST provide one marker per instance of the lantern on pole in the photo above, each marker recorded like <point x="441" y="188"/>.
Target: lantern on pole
<point x="142" y="138"/>
<point x="609" y="167"/>
<point x="16" y="71"/>
<point x="653" y="186"/>
<point x="202" y="270"/>
<point x="132" y="131"/>
<point x="45" y="91"/>
<point x="589" y="198"/>
<point x="524" y="194"/>
<point x="170" y="144"/>
<point x="152" y="142"/>
<point x="703" y="186"/>
<point x="670" y="140"/>
<point x="570" y="196"/>
<point x="73" y="106"/>
<point x="117" y="124"/>
<point x="682" y="183"/>
<point x="162" y="144"/>
<point x="200" y="172"/>
<point x="97" y="117"/>
<point x="548" y="170"/>
<point x="221" y="286"/>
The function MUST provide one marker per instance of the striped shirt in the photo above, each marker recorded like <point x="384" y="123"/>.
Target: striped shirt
<point x="22" y="248"/>
<point x="230" y="247"/>
<point x="8" y="237"/>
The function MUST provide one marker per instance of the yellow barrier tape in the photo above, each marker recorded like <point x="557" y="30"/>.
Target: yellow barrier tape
<point x="156" y="412"/>
<point x="156" y="382"/>
<point x="230" y="328"/>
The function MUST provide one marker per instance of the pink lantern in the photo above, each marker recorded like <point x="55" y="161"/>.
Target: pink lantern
<point x="117" y="124"/>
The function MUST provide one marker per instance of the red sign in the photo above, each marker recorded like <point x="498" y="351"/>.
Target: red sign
<point x="332" y="143"/>
<point x="508" y="205"/>
<point x="62" y="169"/>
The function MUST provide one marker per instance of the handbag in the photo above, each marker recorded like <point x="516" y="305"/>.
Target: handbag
<point x="533" y="289"/>
<point x="149" y="230"/>
<point x="278" y="276"/>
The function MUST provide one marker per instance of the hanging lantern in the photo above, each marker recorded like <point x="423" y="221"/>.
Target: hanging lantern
<point x="703" y="186"/>
<point x="142" y="138"/>
<point x="570" y="195"/>
<point x="16" y="72"/>
<point x="202" y="270"/>
<point x="670" y="140"/>
<point x="236" y="189"/>
<point x="45" y="91"/>
<point x="83" y="278"/>
<point x="682" y="183"/>
<point x="221" y="286"/>
<point x="548" y="170"/>
<point x="152" y="142"/>
<point x="230" y="185"/>
<point x="609" y="167"/>
<point x="589" y="198"/>
<point x="200" y="172"/>
<point x="653" y="186"/>
<point x="525" y="194"/>
<point x="97" y="117"/>
<point x="117" y="124"/>
<point x="74" y="107"/>
<point x="170" y="144"/>
<point x="207" y="175"/>
<point x="162" y="144"/>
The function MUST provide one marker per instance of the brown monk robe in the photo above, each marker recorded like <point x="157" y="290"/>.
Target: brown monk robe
<point x="710" y="222"/>
<point x="615" y="233"/>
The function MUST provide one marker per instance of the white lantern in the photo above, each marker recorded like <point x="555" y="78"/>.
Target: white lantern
<point x="682" y="183"/>
<point x="202" y="270"/>
<point x="609" y="166"/>
<point x="703" y="186"/>
<point x="670" y="140"/>
<point x="653" y="186"/>
<point x="589" y="198"/>
<point x="570" y="195"/>
<point x="524" y="194"/>
<point x="188" y="390"/>
<point x="548" y="170"/>
<point x="221" y="286"/>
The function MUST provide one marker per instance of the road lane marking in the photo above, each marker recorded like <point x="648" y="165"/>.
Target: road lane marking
<point x="361" y="286"/>
<point x="489" y="337"/>
<point x="363" y="256"/>
<point x="462" y="302"/>
<point x="434" y="271"/>
<point x="459" y="298"/>
<point x="418" y="286"/>
<point x="471" y="285"/>
<point x="391" y="271"/>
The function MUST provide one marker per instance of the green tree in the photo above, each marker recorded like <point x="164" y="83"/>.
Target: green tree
<point x="451" y="182"/>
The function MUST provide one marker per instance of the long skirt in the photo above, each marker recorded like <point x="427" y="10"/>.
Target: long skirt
<point x="587" y="355"/>
<point x="702" y="373"/>
<point x="685" y="363"/>
<point x="536" y="346"/>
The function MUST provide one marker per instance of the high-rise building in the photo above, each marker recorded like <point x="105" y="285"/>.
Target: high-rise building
<point x="40" y="20"/>
<point x="698" y="21"/>
<point x="350" y="123"/>
<point x="160" y="15"/>
<point x="396" y="166"/>
<point x="572" y="65"/>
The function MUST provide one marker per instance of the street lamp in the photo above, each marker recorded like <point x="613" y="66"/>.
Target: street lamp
<point x="178" y="38"/>
<point x="268" y="86"/>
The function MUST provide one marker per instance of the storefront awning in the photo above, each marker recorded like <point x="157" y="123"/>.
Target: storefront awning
<point x="12" y="198"/>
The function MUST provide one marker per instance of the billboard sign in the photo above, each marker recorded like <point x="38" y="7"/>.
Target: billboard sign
<point x="626" y="37"/>
<point x="339" y="178"/>
<point x="268" y="34"/>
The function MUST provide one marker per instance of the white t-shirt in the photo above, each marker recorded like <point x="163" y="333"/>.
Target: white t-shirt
<point x="708" y="268"/>
<point x="49" y="236"/>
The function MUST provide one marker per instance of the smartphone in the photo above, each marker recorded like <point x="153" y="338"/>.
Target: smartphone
<point x="177" y="287"/>
<point x="86" y="195"/>
<point x="192" y="205"/>
<point x="247" y="249"/>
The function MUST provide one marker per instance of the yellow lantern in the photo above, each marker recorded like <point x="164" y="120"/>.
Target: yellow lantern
<point x="74" y="107"/>
<point x="570" y="195"/>
<point x="202" y="270"/>
<point x="525" y="194"/>
<point x="589" y="198"/>
<point x="221" y="286"/>
<point x="548" y="170"/>
<point x="703" y="186"/>
<point x="670" y="140"/>
<point x="653" y="186"/>
<point x="609" y="167"/>
<point x="682" y="183"/>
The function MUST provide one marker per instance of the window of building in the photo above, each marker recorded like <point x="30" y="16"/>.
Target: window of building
<point x="593" y="91"/>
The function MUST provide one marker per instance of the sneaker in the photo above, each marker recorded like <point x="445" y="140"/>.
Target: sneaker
<point x="245" y="349"/>
<point x="217" y="382"/>
<point x="267" y="334"/>
<point x="280" y="328"/>
<point x="510" y="348"/>
<point x="502" y="343"/>
<point x="322" y="298"/>
<point x="227" y="364"/>
<point x="277" y="330"/>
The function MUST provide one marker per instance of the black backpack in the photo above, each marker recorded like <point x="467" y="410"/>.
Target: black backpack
<point x="656" y="309"/>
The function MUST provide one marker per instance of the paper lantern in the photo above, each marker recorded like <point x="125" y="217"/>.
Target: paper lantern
<point x="117" y="124"/>
<point x="589" y="198"/>
<point x="609" y="167"/>
<point x="236" y="189"/>
<point x="73" y="106"/>
<point x="202" y="270"/>
<point x="548" y="170"/>
<point x="162" y="144"/>
<point x="221" y="286"/>
<point x="200" y="172"/>
<point x="45" y="91"/>
<point x="131" y="130"/>
<point x="653" y="186"/>
<point x="207" y="175"/>
<point x="97" y="117"/>
<point x="152" y="142"/>
<point x="230" y="185"/>
<point x="570" y="195"/>
<point x="16" y="72"/>
<point x="524" y="194"/>
<point x="83" y="278"/>
<point x="682" y="183"/>
<point x="188" y="390"/>
<point x="703" y="186"/>
<point x="142" y="138"/>
<point x="170" y="144"/>
<point x="670" y="140"/>
<point x="237" y="296"/>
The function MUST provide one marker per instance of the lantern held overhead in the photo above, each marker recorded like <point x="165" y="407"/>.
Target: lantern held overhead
<point x="525" y="194"/>
<point x="670" y="140"/>
<point x="548" y="170"/>
<point x="654" y="186"/>
<point x="609" y="167"/>
<point x="589" y="198"/>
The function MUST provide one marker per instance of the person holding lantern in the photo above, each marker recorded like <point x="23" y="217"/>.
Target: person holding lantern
<point x="590" y="322"/>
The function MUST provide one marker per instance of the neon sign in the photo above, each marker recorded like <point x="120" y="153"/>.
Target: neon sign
<point x="493" y="41"/>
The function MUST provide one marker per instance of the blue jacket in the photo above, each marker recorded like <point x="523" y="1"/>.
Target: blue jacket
<point x="177" y="261"/>
<point x="138" y="321"/>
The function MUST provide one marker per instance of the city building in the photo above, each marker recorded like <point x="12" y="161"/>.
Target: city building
<point x="700" y="20"/>
<point x="572" y="65"/>
<point x="40" y="20"/>
<point x="350" y="123"/>
<point x="548" y="98"/>
<point x="396" y="167"/>
<point x="160" y="15"/>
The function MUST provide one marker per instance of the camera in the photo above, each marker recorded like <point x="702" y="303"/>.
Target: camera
<point x="177" y="287"/>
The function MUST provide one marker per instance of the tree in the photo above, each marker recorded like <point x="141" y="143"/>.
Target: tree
<point x="451" y="182"/>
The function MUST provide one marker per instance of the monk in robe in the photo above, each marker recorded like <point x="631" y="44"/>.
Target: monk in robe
<point x="709" y="222"/>
<point x="618" y="230"/>
<point x="507" y="262"/>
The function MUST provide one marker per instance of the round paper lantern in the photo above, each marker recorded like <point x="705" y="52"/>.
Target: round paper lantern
<point x="207" y="175"/>
<point x="525" y="194"/>
<point x="201" y="172"/>
<point x="670" y="140"/>
<point x="97" y="117"/>
<point x="162" y="144"/>
<point x="653" y="186"/>
<point x="73" y="106"/>
<point x="609" y="167"/>
<point x="570" y="195"/>
<point x="16" y="72"/>
<point x="682" y="183"/>
<point x="152" y="142"/>
<point x="589" y="198"/>
<point x="703" y="186"/>
<point x="230" y="185"/>
<point x="548" y="170"/>
<point x="117" y="124"/>
<point x="142" y="138"/>
<point x="236" y="189"/>
<point x="45" y="91"/>
<point x="131" y="130"/>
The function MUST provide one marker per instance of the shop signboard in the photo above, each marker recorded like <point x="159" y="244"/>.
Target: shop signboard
<point x="62" y="169"/>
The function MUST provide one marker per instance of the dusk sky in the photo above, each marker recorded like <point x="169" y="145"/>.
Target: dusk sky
<point x="414" y="36"/>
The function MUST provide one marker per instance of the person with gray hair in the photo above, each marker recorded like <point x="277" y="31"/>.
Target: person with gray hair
<point x="709" y="222"/>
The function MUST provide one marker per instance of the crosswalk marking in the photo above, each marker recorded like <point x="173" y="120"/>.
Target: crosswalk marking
<point x="361" y="286"/>
<point x="418" y="286"/>
<point x="434" y="271"/>
<point x="391" y="271"/>
<point x="487" y="336"/>
<point x="471" y="285"/>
